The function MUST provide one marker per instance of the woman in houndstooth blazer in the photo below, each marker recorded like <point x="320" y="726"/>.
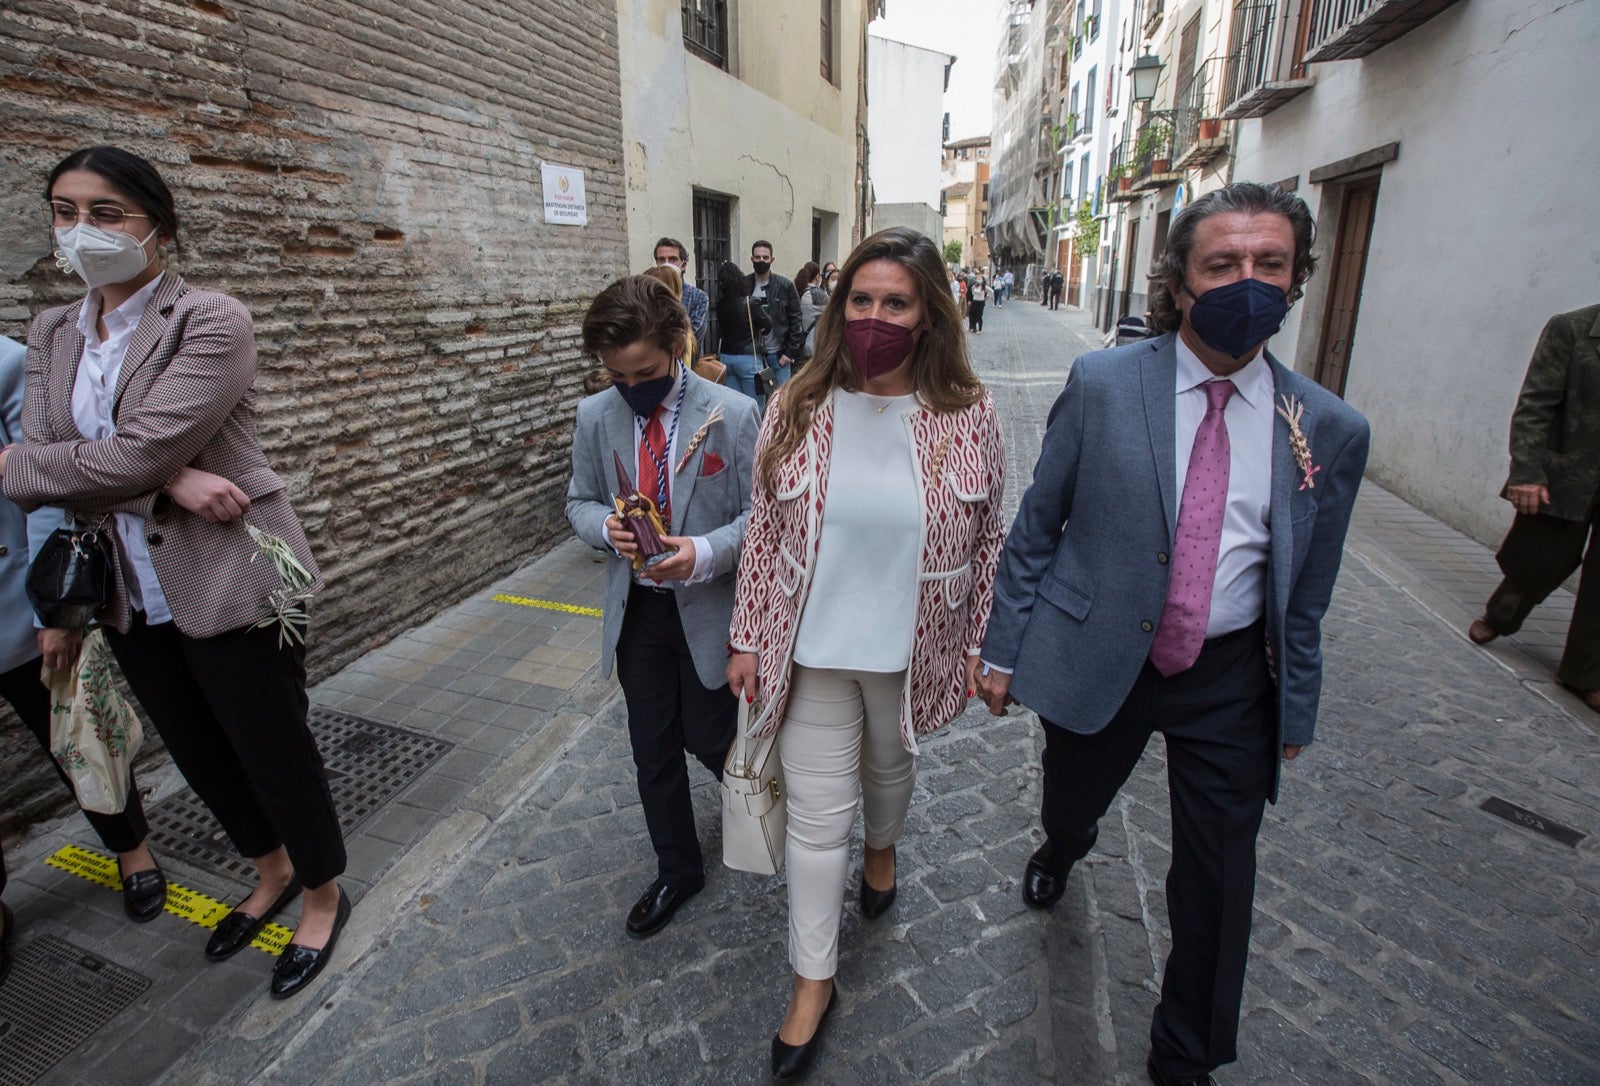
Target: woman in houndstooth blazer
<point x="865" y="584"/>
<point x="140" y="409"/>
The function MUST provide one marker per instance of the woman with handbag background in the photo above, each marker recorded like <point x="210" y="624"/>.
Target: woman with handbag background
<point x="24" y="650"/>
<point x="865" y="585"/>
<point x="140" y="404"/>
<point x="739" y="330"/>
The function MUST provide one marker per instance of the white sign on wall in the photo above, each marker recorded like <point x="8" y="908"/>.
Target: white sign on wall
<point x="564" y="201"/>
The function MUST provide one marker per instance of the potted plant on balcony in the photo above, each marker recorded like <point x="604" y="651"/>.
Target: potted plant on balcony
<point x="1122" y="175"/>
<point x="1155" y="146"/>
<point x="1210" y="127"/>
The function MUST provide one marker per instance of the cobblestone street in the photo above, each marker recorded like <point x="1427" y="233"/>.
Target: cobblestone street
<point x="1403" y="934"/>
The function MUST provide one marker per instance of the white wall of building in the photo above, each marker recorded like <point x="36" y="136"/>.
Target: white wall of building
<point x="770" y="132"/>
<point x="905" y="122"/>
<point x="1487" y="223"/>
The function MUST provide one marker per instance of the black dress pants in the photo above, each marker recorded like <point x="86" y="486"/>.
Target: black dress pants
<point x="670" y="712"/>
<point x="1539" y="552"/>
<point x="975" y="316"/>
<point x="31" y="699"/>
<point x="232" y="711"/>
<point x="1218" y="718"/>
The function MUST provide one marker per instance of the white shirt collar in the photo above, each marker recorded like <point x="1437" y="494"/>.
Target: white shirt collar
<point x="120" y="320"/>
<point x="1253" y="382"/>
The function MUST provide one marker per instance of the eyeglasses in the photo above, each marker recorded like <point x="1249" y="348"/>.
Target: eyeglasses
<point x="105" y="216"/>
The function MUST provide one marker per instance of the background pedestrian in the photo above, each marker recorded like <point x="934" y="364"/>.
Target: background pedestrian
<point x="1554" y="486"/>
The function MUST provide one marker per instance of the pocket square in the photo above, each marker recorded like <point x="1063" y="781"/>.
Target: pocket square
<point x="711" y="463"/>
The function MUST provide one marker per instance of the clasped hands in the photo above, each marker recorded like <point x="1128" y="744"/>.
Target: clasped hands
<point x="995" y="686"/>
<point x="674" y="567"/>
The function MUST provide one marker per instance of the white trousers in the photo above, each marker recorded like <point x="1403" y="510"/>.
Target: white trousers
<point x="840" y="738"/>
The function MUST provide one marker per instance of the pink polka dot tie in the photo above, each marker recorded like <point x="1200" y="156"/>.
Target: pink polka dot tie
<point x="1182" y="628"/>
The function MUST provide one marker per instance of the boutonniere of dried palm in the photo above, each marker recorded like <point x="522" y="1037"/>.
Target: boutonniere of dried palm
<point x="288" y="601"/>
<point x="940" y="451"/>
<point x="1293" y="409"/>
<point x="699" y="436"/>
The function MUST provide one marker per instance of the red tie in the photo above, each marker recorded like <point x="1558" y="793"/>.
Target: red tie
<point x="653" y="466"/>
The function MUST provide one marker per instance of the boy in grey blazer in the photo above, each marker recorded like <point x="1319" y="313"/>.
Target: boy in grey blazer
<point x="689" y="445"/>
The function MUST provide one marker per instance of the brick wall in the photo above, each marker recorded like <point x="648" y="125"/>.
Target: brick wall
<point x="367" y="182"/>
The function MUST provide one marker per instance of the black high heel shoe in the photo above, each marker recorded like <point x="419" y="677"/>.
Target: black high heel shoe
<point x="235" y="931"/>
<point x="298" y="965"/>
<point x="792" y="1061"/>
<point x="874" y="902"/>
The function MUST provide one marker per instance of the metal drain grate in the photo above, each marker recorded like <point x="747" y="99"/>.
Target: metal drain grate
<point x="368" y="764"/>
<point x="56" y="997"/>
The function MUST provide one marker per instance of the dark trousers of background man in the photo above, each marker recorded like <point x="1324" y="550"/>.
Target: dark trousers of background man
<point x="31" y="699"/>
<point x="232" y="711"/>
<point x="1540" y="552"/>
<point x="669" y="712"/>
<point x="1221" y="739"/>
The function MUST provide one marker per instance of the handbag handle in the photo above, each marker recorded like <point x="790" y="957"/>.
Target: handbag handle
<point x="750" y="321"/>
<point x="739" y="755"/>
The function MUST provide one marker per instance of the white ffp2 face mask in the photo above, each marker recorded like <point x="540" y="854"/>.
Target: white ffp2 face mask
<point x="101" y="257"/>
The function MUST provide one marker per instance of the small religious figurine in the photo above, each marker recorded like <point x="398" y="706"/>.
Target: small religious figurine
<point x="639" y="513"/>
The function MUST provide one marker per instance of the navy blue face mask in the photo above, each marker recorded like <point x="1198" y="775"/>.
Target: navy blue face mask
<point x="646" y="396"/>
<point x="1239" y="317"/>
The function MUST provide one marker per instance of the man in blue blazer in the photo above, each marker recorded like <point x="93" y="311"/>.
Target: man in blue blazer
<point x="690" y="445"/>
<point x="1128" y="604"/>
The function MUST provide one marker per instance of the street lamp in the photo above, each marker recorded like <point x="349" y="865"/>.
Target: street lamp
<point x="1146" y="72"/>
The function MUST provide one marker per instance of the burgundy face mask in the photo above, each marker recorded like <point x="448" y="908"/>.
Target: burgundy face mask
<point x="877" y="346"/>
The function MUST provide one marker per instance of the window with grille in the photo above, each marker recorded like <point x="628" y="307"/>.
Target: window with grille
<point x="712" y="218"/>
<point x="705" y="30"/>
<point x="1088" y="102"/>
<point x="827" y="40"/>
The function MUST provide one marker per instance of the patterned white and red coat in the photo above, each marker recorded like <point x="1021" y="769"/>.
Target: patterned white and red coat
<point x="960" y="460"/>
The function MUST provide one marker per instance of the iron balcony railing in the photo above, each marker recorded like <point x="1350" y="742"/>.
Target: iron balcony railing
<point x="1344" y="29"/>
<point x="1197" y="109"/>
<point x="1250" y="53"/>
<point x="1329" y="17"/>
<point x="1152" y="147"/>
<point x="1118" y="172"/>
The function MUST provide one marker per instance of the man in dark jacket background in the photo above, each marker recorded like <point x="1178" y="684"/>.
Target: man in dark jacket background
<point x="780" y="346"/>
<point x="1554" y="485"/>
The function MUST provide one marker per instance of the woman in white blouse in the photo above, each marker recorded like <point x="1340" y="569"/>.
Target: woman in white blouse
<point x="864" y="585"/>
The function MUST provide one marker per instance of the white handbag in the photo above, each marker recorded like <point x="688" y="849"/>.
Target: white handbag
<point x="755" y="820"/>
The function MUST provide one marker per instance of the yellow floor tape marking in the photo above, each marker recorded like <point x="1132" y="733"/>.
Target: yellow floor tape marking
<point x="193" y="906"/>
<point x="548" y="605"/>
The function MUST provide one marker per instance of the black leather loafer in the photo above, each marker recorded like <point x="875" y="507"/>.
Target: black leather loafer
<point x="144" y="895"/>
<point x="1045" y="877"/>
<point x="1160" y="1079"/>
<point x="235" y="931"/>
<point x="298" y="965"/>
<point x="652" y="911"/>
<point x="5" y="940"/>
<point x="792" y="1061"/>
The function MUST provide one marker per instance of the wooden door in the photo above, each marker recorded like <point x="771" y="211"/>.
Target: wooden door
<point x="1127" y="273"/>
<point x="1356" y="214"/>
<point x="1075" y="278"/>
